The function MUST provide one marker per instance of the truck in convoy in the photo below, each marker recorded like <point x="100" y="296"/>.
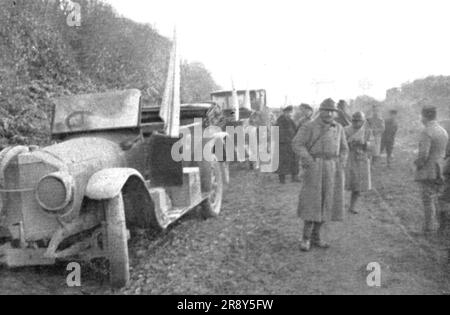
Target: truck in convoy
<point x="253" y="112"/>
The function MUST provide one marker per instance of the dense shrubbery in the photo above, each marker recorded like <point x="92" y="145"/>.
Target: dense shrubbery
<point x="42" y="57"/>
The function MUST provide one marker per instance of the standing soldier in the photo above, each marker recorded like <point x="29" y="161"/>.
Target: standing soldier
<point x="306" y="113"/>
<point x="323" y="149"/>
<point x="432" y="147"/>
<point x="358" y="176"/>
<point x="376" y="123"/>
<point x="388" y="138"/>
<point x="343" y="116"/>
<point x="288" y="161"/>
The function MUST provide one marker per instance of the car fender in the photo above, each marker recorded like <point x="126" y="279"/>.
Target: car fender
<point x="146" y="212"/>
<point x="108" y="183"/>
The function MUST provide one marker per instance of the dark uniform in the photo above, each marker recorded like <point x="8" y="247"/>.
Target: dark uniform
<point x="388" y="137"/>
<point x="289" y="163"/>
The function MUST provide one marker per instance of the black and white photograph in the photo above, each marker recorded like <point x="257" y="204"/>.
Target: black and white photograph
<point x="226" y="155"/>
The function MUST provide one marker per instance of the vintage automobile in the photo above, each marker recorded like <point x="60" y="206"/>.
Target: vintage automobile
<point x="110" y="170"/>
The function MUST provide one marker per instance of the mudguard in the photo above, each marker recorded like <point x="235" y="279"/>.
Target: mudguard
<point x="108" y="183"/>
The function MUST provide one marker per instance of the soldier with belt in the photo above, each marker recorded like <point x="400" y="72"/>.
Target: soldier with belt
<point x="432" y="147"/>
<point x="322" y="148"/>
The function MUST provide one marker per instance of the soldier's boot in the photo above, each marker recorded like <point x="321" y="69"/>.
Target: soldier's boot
<point x="282" y="179"/>
<point x="354" y="202"/>
<point x="305" y="244"/>
<point x="444" y="219"/>
<point x="443" y="223"/>
<point x="389" y="161"/>
<point x="317" y="237"/>
<point x="5" y="235"/>
<point x="295" y="179"/>
<point x="374" y="161"/>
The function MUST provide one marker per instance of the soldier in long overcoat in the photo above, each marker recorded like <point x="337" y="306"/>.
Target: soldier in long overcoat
<point x="288" y="162"/>
<point x="358" y="177"/>
<point x="322" y="148"/>
<point x="430" y="164"/>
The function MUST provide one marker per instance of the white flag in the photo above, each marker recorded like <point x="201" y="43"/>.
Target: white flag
<point x="170" y="107"/>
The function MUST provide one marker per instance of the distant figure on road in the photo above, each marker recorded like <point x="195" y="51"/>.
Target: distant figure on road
<point x="288" y="162"/>
<point x="358" y="174"/>
<point x="343" y="114"/>
<point x="376" y="123"/>
<point x="388" y="138"/>
<point x="322" y="148"/>
<point x="432" y="147"/>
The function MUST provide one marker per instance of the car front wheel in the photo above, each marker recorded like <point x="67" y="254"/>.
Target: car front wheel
<point x="117" y="242"/>
<point x="212" y="183"/>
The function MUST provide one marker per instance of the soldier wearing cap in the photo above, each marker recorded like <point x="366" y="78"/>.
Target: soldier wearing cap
<point x="358" y="175"/>
<point x="432" y="147"/>
<point x="322" y="148"/>
<point x="288" y="162"/>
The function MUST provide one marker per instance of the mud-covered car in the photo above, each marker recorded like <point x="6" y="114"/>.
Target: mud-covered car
<point x="110" y="170"/>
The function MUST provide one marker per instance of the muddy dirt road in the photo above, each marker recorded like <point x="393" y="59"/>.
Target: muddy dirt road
<point x="253" y="248"/>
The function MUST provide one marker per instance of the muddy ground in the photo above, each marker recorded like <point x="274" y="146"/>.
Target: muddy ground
<point x="253" y="247"/>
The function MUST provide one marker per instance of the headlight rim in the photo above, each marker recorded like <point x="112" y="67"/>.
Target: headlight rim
<point x="68" y="183"/>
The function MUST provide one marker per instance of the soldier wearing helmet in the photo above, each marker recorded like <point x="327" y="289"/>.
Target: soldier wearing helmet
<point x="322" y="147"/>
<point x="358" y="173"/>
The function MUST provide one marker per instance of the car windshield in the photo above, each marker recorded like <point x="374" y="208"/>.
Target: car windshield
<point x="112" y="110"/>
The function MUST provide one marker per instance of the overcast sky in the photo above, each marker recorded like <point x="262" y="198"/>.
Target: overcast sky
<point x="307" y="50"/>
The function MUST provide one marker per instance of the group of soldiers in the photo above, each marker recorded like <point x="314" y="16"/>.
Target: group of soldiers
<point x="337" y="151"/>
